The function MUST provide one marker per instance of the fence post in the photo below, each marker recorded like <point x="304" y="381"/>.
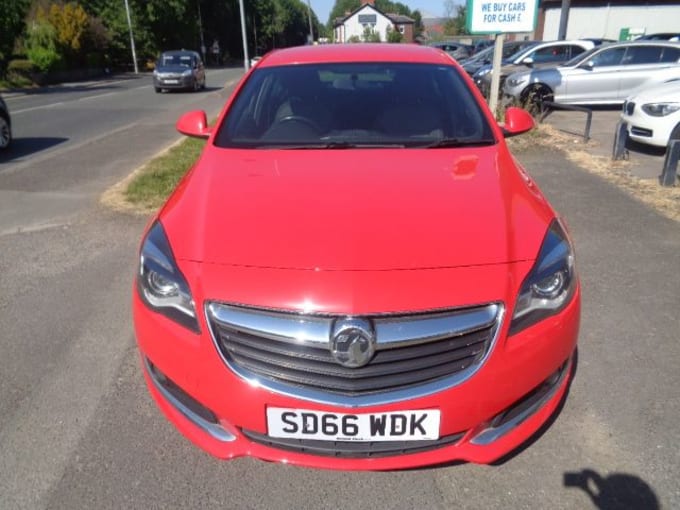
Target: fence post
<point x="620" y="138"/>
<point x="670" y="164"/>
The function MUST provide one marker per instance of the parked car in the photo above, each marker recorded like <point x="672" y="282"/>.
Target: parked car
<point x="457" y="50"/>
<point x="357" y="274"/>
<point x="545" y="54"/>
<point x="652" y="115"/>
<point x="667" y="36"/>
<point x="180" y="69"/>
<point x="485" y="57"/>
<point x="604" y="75"/>
<point x="5" y="126"/>
<point x="481" y="44"/>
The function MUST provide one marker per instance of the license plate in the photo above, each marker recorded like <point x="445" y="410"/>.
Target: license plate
<point x="393" y="426"/>
<point x="171" y="82"/>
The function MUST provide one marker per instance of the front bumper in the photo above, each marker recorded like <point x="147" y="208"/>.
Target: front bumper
<point x="643" y="128"/>
<point x="182" y="82"/>
<point x="482" y="419"/>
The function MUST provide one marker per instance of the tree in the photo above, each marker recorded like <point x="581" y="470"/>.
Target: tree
<point x="370" y="35"/>
<point x="455" y="25"/>
<point x="393" y="35"/>
<point x="12" y="16"/>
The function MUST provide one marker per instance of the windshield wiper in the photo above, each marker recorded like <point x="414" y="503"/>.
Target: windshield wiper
<point x="334" y="145"/>
<point x="445" y="143"/>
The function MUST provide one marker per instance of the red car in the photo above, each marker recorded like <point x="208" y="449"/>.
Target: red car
<point x="357" y="274"/>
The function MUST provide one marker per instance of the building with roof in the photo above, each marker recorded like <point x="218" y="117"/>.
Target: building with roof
<point x="611" y="19"/>
<point x="354" y="25"/>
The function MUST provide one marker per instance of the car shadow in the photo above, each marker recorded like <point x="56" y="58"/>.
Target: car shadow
<point x="618" y="491"/>
<point x="26" y="146"/>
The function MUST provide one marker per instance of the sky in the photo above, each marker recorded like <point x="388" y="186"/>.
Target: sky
<point x="322" y="8"/>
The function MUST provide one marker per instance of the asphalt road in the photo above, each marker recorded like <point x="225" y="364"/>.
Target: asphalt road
<point x="78" y="429"/>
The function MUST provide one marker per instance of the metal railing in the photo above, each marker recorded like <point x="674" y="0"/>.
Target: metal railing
<point x="545" y="107"/>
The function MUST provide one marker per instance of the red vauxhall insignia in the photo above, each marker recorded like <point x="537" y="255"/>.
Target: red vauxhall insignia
<point x="357" y="274"/>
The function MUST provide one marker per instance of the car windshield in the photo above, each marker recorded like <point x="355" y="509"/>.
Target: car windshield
<point x="519" y="52"/>
<point x="175" y="60"/>
<point x="354" y="105"/>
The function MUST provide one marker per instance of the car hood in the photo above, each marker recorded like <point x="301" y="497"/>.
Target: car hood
<point x="668" y="92"/>
<point x="356" y="210"/>
<point x="172" y="69"/>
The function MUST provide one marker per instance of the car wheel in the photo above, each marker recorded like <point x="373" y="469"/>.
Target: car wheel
<point x="534" y="96"/>
<point x="158" y="90"/>
<point x="5" y="133"/>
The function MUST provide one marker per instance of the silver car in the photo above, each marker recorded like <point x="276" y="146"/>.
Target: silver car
<point x="605" y="75"/>
<point x="180" y="69"/>
<point x="534" y="56"/>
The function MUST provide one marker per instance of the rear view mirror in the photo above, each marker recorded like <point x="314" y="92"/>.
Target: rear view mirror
<point x="517" y="121"/>
<point x="590" y="65"/>
<point x="528" y="61"/>
<point x="194" y="124"/>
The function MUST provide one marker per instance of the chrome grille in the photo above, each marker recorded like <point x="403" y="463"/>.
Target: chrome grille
<point x="352" y="449"/>
<point x="415" y="354"/>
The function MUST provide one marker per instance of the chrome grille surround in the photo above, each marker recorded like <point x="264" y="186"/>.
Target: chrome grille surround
<point x="283" y="351"/>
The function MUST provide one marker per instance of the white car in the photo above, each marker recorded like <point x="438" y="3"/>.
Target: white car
<point x="652" y="115"/>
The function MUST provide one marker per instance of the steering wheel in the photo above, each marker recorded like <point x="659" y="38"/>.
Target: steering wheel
<point x="302" y="120"/>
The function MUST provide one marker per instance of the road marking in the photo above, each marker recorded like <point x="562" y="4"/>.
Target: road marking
<point x="37" y="108"/>
<point x="97" y="96"/>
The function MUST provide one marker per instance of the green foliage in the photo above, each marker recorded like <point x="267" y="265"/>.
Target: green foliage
<point x="455" y="25"/>
<point x="370" y="35"/>
<point x="394" y="36"/>
<point x="12" y="15"/>
<point x="41" y="45"/>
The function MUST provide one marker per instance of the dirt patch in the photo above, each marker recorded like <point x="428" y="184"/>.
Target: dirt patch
<point x="115" y="197"/>
<point x="663" y="199"/>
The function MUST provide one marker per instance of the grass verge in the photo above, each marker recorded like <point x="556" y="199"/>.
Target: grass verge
<point x="665" y="200"/>
<point x="148" y="187"/>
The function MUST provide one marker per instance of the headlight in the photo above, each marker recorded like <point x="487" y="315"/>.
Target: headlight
<point x="482" y="72"/>
<point x="160" y="283"/>
<point x="187" y="72"/>
<point x="513" y="82"/>
<point x="550" y="284"/>
<point x="660" y="109"/>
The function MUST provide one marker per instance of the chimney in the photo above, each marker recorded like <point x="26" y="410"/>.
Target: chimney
<point x="369" y="2"/>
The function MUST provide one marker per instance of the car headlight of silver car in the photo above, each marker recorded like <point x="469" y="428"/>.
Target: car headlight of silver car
<point x="187" y="72"/>
<point x="551" y="283"/>
<point x="482" y="72"/>
<point x="161" y="284"/>
<point x="660" y="109"/>
<point x="514" y="81"/>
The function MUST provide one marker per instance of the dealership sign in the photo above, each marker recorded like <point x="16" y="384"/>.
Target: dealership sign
<point x="501" y="16"/>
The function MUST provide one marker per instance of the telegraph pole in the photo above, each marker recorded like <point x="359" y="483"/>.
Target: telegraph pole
<point x="246" y="62"/>
<point x="309" y="14"/>
<point x="132" y="39"/>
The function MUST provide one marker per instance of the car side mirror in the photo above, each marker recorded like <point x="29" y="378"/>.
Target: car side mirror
<point x="194" y="124"/>
<point x="588" y="66"/>
<point x="517" y="121"/>
<point x="528" y="61"/>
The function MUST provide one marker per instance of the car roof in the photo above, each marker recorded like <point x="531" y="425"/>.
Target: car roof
<point x="180" y="52"/>
<point x="360" y="52"/>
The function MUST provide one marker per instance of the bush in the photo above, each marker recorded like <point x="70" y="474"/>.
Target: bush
<point x="45" y="59"/>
